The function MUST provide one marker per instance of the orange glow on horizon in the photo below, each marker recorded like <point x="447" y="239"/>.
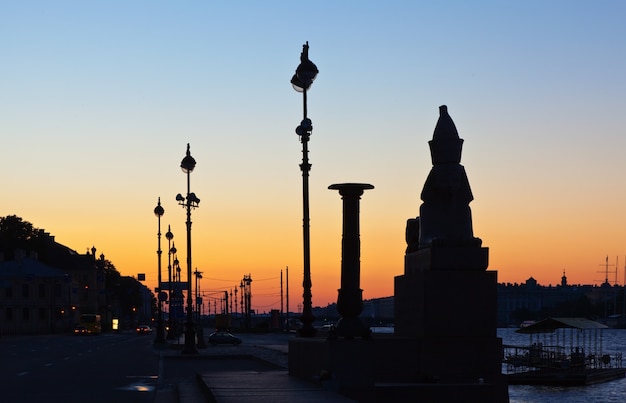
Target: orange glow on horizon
<point x="227" y="246"/>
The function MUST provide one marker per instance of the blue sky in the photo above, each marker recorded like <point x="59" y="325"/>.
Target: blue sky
<point x="99" y="98"/>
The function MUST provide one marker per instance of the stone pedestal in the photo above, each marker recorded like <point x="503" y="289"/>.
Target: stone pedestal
<point x="389" y="369"/>
<point x="450" y="314"/>
<point x="340" y="365"/>
<point x="446" y="303"/>
<point x="463" y="257"/>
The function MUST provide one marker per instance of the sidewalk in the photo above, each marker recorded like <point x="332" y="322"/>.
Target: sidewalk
<point x="244" y="385"/>
<point x="271" y="386"/>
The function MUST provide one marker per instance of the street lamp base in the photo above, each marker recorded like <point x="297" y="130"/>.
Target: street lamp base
<point x="349" y="328"/>
<point x="307" y="318"/>
<point x="160" y="333"/>
<point x="171" y="333"/>
<point x="190" y="340"/>
<point x="200" y="334"/>
<point x="307" y="330"/>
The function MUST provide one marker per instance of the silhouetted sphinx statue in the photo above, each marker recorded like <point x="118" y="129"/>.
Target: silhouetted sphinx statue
<point x="445" y="273"/>
<point x="412" y="234"/>
<point x="445" y="216"/>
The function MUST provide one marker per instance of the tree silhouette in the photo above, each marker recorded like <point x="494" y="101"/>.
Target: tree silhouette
<point x="16" y="233"/>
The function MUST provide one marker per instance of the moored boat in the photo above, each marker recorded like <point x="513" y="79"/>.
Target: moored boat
<point x="562" y="351"/>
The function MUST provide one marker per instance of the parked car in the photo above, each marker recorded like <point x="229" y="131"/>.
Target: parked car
<point x="223" y="338"/>
<point x="80" y="330"/>
<point x="143" y="329"/>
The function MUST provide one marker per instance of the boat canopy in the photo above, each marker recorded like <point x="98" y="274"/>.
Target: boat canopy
<point x="550" y="325"/>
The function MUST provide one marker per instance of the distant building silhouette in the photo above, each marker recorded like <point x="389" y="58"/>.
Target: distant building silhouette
<point x="46" y="291"/>
<point x="518" y="302"/>
<point x="532" y="301"/>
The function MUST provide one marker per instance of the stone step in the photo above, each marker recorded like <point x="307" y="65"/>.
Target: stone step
<point x="192" y="391"/>
<point x="188" y="391"/>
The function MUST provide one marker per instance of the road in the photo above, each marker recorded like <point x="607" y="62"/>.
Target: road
<point x="66" y="368"/>
<point x="108" y="368"/>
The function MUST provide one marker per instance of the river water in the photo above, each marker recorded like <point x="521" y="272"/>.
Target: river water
<point x="614" y="340"/>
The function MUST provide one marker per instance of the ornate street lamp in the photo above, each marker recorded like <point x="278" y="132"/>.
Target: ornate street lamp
<point x="160" y="336"/>
<point x="176" y="264"/>
<point x="199" y="330"/>
<point x="231" y="293"/>
<point x="247" y="281"/>
<point x="242" y="298"/>
<point x="189" y="202"/>
<point x="170" y="329"/>
<point x="301" y="81"/>
<point x="177" y="299"/>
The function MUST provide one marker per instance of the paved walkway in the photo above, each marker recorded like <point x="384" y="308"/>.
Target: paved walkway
<point x="228" y="386"/>
<point x="270" y="386"/>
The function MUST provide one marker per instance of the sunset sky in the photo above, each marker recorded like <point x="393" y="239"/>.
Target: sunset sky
<point x="98" y="100"/>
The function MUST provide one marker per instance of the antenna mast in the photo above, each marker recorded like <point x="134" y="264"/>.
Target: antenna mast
<point x="606" y="271"/>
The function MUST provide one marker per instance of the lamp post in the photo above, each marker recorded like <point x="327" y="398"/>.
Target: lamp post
<point x="199" y="330"/>
<point x="198" y="275"/>
<point x="176" y="265"/>
<point x="177" y="299"/>
<point x="301" y="81"/>
<point x="242" y="298"/>
<point x="160" y="336"/>
<point x="247" y="297"/>
<point x="189" y="202"/>
<point x="235" y="301"/>
<point x="170" y="330"/>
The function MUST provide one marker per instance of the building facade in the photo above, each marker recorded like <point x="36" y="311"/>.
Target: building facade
<point x="46" y="291"/>
<point x="34" y="298"/>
